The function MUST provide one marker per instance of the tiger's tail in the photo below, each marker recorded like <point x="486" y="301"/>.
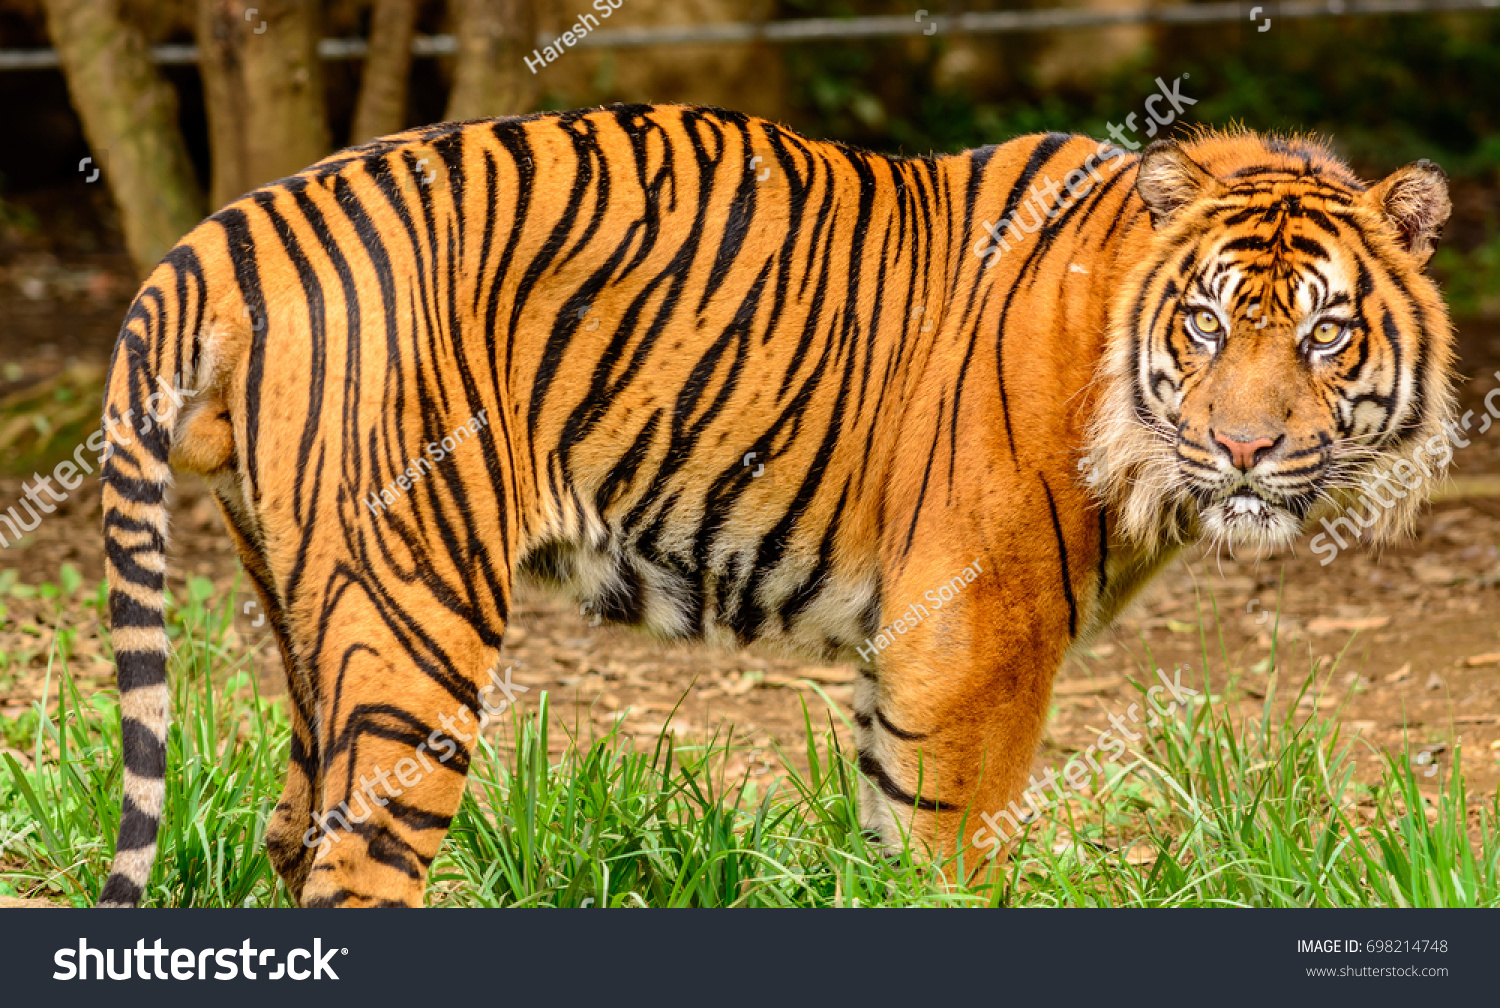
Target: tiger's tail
<point x="156" y="354"/>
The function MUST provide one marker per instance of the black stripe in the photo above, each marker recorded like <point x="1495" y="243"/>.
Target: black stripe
<point x="145" y="754"/>
<point x="1103" y="548"/>
<point x="126" y="611"/>
<point x="873" y="770"/>
<point x="1062" y="554"/>
<point x="137" y="829"/>
<point x="905" y="736"/>
<point x="385" y="847"/>
<point x="135" y="669"/>
<point x="119" y="889"/>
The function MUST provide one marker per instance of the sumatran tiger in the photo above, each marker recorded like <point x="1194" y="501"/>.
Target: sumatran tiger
<point x="937" y="416"/>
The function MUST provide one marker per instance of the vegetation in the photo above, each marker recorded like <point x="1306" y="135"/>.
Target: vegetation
<point x="1421" y="86"/>
<point x="1211" y="811"/>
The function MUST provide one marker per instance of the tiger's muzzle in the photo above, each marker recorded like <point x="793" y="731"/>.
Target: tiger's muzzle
<point x="1246" y="448"/>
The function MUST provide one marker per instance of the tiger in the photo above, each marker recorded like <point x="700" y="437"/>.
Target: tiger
<point x="938" y="417"/>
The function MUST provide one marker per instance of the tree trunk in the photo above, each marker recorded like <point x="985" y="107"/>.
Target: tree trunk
<point x="263" y="86"/>
<point x="129" y="115"/>
<point x="494" y="39"/>
<point x="382" y="89"/>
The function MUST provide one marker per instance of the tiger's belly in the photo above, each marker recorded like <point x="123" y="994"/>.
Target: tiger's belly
<point x="728" y="601"/>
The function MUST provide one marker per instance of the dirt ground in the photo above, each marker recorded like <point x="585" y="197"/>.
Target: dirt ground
<point x="1416" y="622"/>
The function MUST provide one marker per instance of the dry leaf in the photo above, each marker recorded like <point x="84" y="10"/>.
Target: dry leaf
<point x="1329" y="624"/>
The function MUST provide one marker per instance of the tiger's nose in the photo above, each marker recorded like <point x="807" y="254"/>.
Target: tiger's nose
<point x="1245" y="453"/>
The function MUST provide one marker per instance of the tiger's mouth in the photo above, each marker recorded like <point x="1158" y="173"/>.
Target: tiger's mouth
<point x="1251" y="515"/>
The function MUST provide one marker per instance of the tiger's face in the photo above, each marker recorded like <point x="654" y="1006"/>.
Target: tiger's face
<point x="1278" y="349"/>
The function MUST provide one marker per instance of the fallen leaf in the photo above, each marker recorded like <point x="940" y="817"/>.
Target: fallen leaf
<point x="1329" y="624"/>
<point x="20" y="757"/>
<point x="1488" y="658"/>
<point x="1400" y="675"/>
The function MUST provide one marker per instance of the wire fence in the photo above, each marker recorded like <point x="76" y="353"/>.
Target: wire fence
<point x="921" y="22"/>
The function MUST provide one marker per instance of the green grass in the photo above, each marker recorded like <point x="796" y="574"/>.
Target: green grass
<point x="1259" y="811"/>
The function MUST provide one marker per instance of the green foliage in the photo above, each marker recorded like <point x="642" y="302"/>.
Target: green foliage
<point x="44" y="423"/>
<point x="15" y="219"/>
<point x="1423" y="86"/>
<point x="1471" y="279"/>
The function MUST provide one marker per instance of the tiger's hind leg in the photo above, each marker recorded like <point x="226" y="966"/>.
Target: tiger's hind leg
<point x="400" y="680"/>
<point x="292" y="817"/>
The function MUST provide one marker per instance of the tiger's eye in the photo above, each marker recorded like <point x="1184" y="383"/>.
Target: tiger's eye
<point x="1326" y="332"/>
<point x="1207" y="322"/>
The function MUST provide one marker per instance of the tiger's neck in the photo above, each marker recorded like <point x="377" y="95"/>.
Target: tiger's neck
<point x="1045" y="230"/>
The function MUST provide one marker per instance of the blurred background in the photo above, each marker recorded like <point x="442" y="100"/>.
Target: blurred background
<point x="125" y="121"/>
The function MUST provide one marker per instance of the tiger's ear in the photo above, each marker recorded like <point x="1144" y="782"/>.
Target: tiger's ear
<point x="1415" y="200"/>
<point x="1168" y="180"/>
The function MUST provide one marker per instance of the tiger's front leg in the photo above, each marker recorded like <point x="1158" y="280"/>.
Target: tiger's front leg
<point x="949" y="717"/>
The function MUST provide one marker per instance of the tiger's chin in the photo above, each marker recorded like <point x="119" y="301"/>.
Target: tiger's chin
<point x="1247" y="518"/>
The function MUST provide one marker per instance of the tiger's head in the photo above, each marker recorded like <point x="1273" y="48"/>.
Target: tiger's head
<point x="1277" y="349"/>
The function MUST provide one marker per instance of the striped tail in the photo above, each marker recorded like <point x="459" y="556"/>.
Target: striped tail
<point x="141" y="406"/>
